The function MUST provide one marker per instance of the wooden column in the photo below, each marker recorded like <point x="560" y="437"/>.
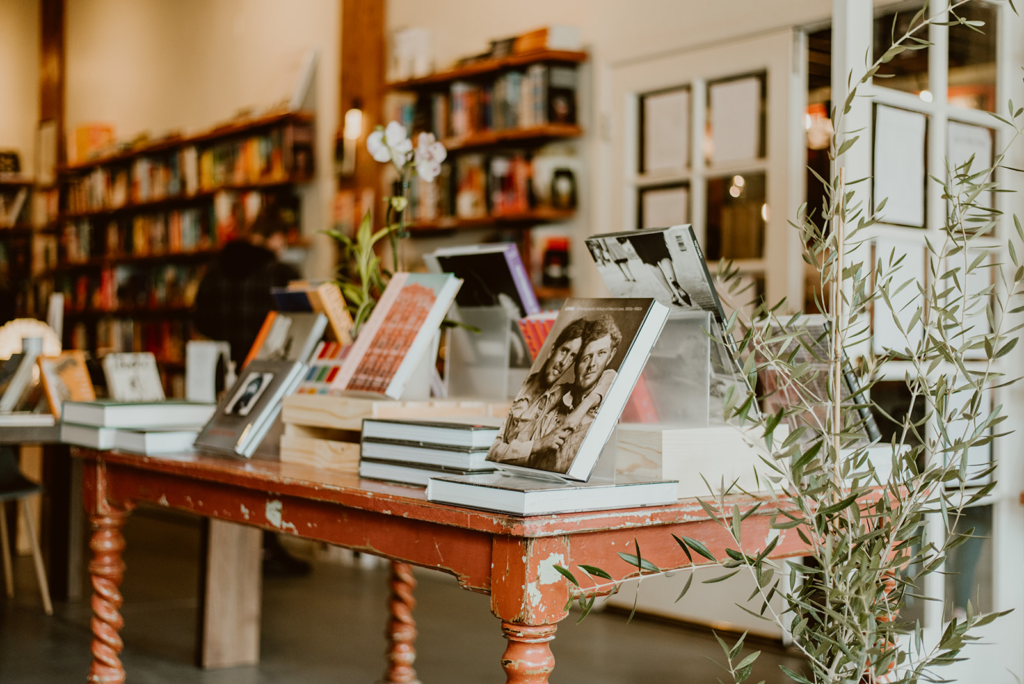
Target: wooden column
<point x="401" y="631"/>
<point x="52" y="69"/>
<point x="362" y="81"/>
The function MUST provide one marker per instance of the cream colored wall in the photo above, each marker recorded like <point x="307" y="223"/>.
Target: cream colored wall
<point x="19" y="78"/>
<point x="153" y="66"/>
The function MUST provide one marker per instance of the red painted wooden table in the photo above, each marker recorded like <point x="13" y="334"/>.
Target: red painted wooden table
<point x="508" y="557"/>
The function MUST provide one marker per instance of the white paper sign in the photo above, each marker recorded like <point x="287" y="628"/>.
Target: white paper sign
<point x="899" y="172"/>
<point x="964" y="141"/>
<point x="736" y="120"/>
<point x="667" y="132"/>
<point x="664" y="207"/>
<point x="133" y="377"/>
<point x="913" y="267"/>
<point x="201" y="358"/>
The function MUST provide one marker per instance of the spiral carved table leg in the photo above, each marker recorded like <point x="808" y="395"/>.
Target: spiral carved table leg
<point x="107" y="570"/>
<point x="528" y="658"/>
<point x="401" y="632"/>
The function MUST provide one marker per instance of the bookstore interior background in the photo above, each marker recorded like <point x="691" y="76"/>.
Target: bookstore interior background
<point x="138" y="138"/>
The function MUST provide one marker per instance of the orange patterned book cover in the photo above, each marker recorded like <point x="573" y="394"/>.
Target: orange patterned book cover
<point x="392" y="342"/>
<point x="65" y="378"/>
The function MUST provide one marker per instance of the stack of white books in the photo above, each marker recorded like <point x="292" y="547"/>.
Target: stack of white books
<point x="411" y="452"/>
<point x="155" y="427"/>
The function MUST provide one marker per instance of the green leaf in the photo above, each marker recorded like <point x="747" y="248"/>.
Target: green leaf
<point x="682" y="544"/>
<point x="590" y="569"/>
<point x="568" y="575"/>
<point x="699" y="548"/>
<point x="686" y="587"/>
<point x="721" y="578"/>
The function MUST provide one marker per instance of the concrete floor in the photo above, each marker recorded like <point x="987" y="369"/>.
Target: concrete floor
<point x="329" y="627"/>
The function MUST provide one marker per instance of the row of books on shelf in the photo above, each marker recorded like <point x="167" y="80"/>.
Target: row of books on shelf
<point x="540" y="95"/>
<point x="475" y="186"/>
<point x="279" y="156"/>
<point x="24" y="206"/>
<point x="127" y="288"/>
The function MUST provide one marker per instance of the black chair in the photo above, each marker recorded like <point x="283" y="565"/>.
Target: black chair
<point x="16" y="487"/>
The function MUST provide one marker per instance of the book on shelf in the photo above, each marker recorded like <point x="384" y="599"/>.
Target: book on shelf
<point x="287" y="336"/>
<point x="525" y="496"/>
<point x="470" y="434"/>
<point x="132" y="377"/>
<point x="391" y="343"/>
<point x="566" y="409"/>
<point x="425" y="454"/>
<point x="407" y="473"/>
<point x="471" y="186"/>
<point x="10" y="211"/>
<point x="247" y="411"/>
<point x="554" y="37"/>
<point x="492" y="275"/>
<point x="509" y="180"/>
<point x="137" y="415"/>
<point x="65" y="378"/>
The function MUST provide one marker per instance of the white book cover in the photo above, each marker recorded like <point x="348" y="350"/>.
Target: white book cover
<point x="87" y="436"/>
<point x="133" y="377"/>
<point x="150" y="442"/>
<point x="390" y="345"/>
<point x="566" y="410"/>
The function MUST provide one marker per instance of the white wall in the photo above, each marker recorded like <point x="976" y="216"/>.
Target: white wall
<point x="154" y="66"/>
<point x="19" y="78"/>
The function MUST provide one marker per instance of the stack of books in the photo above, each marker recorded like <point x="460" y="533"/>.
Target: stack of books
<point x="154" y="427"/>
<point x="411" y="452"/>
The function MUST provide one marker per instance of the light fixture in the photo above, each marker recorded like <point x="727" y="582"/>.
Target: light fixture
<point x="738" y="181"/>
<point x="351" y="132"/>
<point x="925" y="95"/>
<point x="764" y="212"/>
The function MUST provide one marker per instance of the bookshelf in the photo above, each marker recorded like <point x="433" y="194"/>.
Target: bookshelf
<point x="498" y="118"/>
<point x="28" y="242"/>
<point x="136" y="229"/>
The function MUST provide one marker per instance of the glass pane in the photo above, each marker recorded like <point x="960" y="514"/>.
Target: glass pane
<point x="665" y="130"/>
<point x="913" y="608"/>
<point x="972" y="58"/>
<point x="736" y="217"/>
<point x="909" y="69"/>
<point x="736" y="120"/>
<point x="894" y="398"/>
<point x="664" y="206"/>
<point x="969" y="566"/>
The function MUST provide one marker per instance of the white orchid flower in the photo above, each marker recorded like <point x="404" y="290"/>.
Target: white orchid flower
<point x="390" y="144"/>
<point x="429" y="155"/>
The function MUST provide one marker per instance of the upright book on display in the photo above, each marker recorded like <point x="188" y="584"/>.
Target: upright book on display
<point x="391" y="344"/>
<point x="246" y="412"/>
<point x="564" y="414"/>
<point x="492" y="275"/>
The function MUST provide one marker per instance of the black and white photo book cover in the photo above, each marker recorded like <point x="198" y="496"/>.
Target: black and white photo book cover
<point x="248" y="409"/>
<point x="668" y="264"/>
<point x="578" y="386"/>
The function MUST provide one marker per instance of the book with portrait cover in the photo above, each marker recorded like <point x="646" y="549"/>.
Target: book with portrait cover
<point x="246" y="411"/>
<point x="578" y="386"/>
<point x="391" y="344"/>
<point x="65" y="378"/>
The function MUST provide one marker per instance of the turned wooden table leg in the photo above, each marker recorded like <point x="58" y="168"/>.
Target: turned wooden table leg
<point x="528" y="658"/>
<point x="401" y="632"/>
<point x="107" y="571"/>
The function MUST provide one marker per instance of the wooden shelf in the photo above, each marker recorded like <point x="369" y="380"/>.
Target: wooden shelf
<point x="22" y="231"/>
<point x="525" y="219"/>
<point x="15" y="180"/>
<point x="488" y="66"/>
<point x="182" y="200"/>
<point x="114" y="260"/>
<point x="522" y="136"/>
<point x="552" y="292"/>
<point x="225" y="130"/>
<point x="132" y="312"/>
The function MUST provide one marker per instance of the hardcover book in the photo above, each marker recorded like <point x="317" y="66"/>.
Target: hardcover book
<point x="578" y="386"/>
<point x="416" y="453"/>
<point x="392" y="342"/>
<point x="477" y="434"/>
<point x="65" y="378"/>
<point x="407" y="473"/>
<point x="322" y="297"/>
<point x="133" y="377"/>
<point x="492" y="275"/>
<point x="248" y="409"/>
<point x="144" y="415"/>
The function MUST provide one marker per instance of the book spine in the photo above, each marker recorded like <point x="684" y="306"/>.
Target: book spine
<point x="522" y="280"/>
